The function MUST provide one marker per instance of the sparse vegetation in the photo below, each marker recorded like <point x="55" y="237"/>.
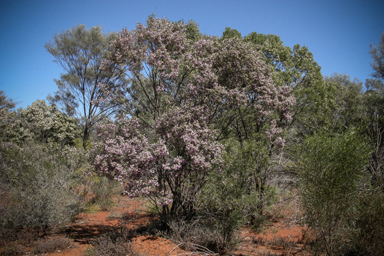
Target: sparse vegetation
<point x="106" y="246"/>
<point x="55" y="244"/>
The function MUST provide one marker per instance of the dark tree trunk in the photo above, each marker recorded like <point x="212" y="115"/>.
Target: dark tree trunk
<point x="85" y="135"/>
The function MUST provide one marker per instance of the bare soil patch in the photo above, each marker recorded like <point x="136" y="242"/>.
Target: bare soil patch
<point x="279" y="236"/>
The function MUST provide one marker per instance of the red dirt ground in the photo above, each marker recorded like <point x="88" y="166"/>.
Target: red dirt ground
<point x="88" y="227"/>
<point x="279" y="237"/>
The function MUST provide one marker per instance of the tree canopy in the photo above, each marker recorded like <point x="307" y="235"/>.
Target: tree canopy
<point x="80" y="52"/>
<point x="185" y="95"/>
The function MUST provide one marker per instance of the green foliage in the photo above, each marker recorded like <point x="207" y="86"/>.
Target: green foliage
<point x="6" y="102"/>
<point x="80" y="52"/>
<point x="11" y="128"/>
<point x="331" y="172"/>
<point x="369" y="237"/>
<point x="231" y="33"/>
<point x="274" y="52"/>
<point x="377" y="54"/>
<point x="193" y="31"/>
<point x="238" y="194"/>
<point x="350" y="110"/>
<point x="47" y="123"/>
<point x="39" y="184"/>
<point x="374" y="128"/>
<point x="79" y="143"/>
<point x="297" y="69"/>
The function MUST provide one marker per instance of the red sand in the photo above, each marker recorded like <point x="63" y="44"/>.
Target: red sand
<point x="89" y="227"/>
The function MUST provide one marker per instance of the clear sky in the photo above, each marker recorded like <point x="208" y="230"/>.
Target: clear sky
<point x="337" y="32"/>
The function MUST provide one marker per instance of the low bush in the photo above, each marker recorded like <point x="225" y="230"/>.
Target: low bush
<point x="102" y="190"/>
<point x="12" y="249"/>
<point x="235" y="197"/>
<point x="331" y="178"/>
<point x="369" y="235"/>
<point x="114" y="243"/>
<point x="199" y="236"/>
<point x="52" y="245"/>
<point x="39" y="182"/>
<point x="283" y="242"/>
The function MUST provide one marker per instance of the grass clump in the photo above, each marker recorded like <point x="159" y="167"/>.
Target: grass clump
<point x="114" y="243"/>
<point x="54" y="244"/>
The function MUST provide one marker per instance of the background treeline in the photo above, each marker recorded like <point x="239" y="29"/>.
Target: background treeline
<point x="212" y="131"/>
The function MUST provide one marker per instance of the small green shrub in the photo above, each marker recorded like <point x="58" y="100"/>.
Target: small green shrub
<point x="236" y="196"/>
<point x="369" y="236"/>
<point x="102" y="190"/>
<point x="39" y="181"/>
<point x="92" y="208"/>
<point x="331" y="174"/>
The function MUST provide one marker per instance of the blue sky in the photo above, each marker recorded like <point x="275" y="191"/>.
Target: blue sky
<point x="337" y="32"/>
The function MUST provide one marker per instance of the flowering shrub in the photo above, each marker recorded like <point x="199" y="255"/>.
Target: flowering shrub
<point x="170" y="170"/>
<point x="184" y="97"/>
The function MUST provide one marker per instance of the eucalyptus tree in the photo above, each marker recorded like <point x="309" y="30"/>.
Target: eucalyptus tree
<point x="377" y="54"/>
<point x="296" y="69"/>
<point x="80" y="53"/>
<point x="6" y="102"/>
<point x="231" y="33"/>
<point x="349" y="108"/>
<point x="374" y="99"/>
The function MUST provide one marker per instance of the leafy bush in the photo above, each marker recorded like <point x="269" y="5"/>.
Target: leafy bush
<point x="368" y="240"/>
<point x="331" y="174"/>
<point x="103" y="189"/>
<point x="39" y="182"/>
<point x="47" y="123"/>
<point x="234" y="197"/>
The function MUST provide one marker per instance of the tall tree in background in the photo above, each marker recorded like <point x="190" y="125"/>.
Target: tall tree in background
<point x="231" y="33"/>
<point x="48" y="124"/>
<point x="377" y="53"/>
<point x="295" y="67"/>
<point x="80" y="53"/>
<point x="374" y="102"/>
<point x="11" y="129"/>
<point x="6" y="102"/>
<point x="349" y="110"/>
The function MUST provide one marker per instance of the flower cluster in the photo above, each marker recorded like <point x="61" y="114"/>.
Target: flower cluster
<point x="185" y="147"/>
<point x="124" y="154"/>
